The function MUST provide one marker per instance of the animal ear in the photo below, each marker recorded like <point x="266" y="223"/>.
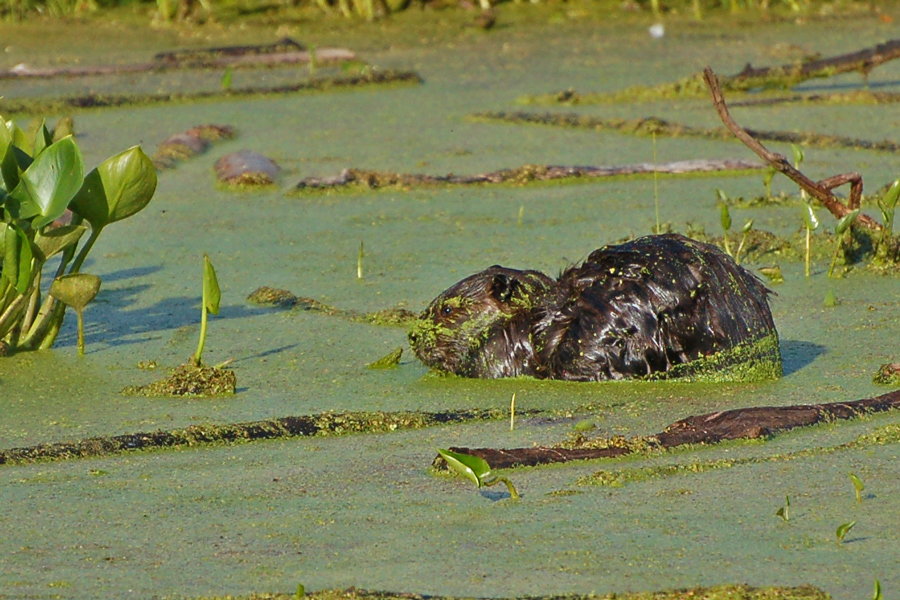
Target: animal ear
<point x="503" y="286"/>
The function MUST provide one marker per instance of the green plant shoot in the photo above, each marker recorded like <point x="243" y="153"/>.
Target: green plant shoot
<point x="767" y="181"/>
<point x="210" y="302"/>
<point x="725" y="220"/>
<point x="876" y="594"/>
<point x="744" y="231"/>
<point x="512" y="413"/>
<point x="359" y="269"/>
<point x="475" y="469"/>
<point x="301" y="591"/>
<point x="785" y="511"/>
<point x="521" y="215"/>
<point x="857" y="486"/>
<point x="76" y="290"/>
<point x="843" y="530"/>
<point x="226" y="79"/>
<point x="798" y="155"/>
<point x="842" y="226"/>
<point x="810" y="223"/>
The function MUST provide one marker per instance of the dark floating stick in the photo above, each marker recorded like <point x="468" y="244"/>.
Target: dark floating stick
<point x="63" y="104"/>
<point x="284" y="52"/>
<point x="711" y="428"/>
<point x="322" y="424"/>
<point x="525" y="174"/>
<point x="651" y="125"/>
<point x="820" y="190"/>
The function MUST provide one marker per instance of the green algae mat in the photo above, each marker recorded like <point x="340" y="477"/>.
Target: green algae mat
<point x="333" y="486"/>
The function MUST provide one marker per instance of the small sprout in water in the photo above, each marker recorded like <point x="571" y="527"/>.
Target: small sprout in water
<point x="76" y="290"/>
<point x="830" y="300"/>
<point x="226" y="79"/>
<point x="773" y="274"/>
<point x="521" y="214"/>
<point x="843" y="530"/>
<point x="842" y="226"/>
<point x="767" y="181"/>
<point x="301" y="591"/>
<point x="388" y="361"/>
<point x="798" y="155"/>
<point x="876" y="594"/>
<point x="725" y="219"/>
<point x="744" y="231"/>
<point x="785" y="511"/>
<point x="475" y="469"/>
<point x="362" y="252"/>
<point x="810" y="223"/>
<point x="210" y="302"/>
<point x="857" y="485"/>
<point x="512" y="413"/>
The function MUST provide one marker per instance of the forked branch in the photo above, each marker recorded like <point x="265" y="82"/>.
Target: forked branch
<point x="821" y="190"/>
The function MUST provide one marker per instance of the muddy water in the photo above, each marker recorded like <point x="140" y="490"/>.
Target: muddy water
<point x="362" y="510"/>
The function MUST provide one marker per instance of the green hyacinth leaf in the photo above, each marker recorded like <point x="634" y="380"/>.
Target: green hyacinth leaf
<point x="76" y="289"/>
<point x="471" y="467"/>
<point x="846" y="221"/>
<point x="810" y="221"/>
<point x="17" y="256"/>
<point x="43" y="139"/>
<point x="48" y="185"/>
<point x="211" y="292"/>
<point x="57" y="239"/>
<point x="120" y="187"/>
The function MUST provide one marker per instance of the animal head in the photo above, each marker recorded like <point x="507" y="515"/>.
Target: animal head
<point x="480" y="327"/>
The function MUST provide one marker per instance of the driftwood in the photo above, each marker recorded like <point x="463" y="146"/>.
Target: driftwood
<point x="284" y="52"/>
<point x="741" y="423"/>
<point x="376" y="179"/>
<point x="821" y="190"/>
<point x="862" y="61"/>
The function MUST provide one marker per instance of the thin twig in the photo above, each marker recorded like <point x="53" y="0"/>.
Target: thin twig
<point x="820" y="191"/>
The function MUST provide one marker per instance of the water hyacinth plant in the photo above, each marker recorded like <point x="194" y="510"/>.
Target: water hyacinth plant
<point x="39" y="180"/>
<point x="476" y="469"/>
<point x="210" y="303"/>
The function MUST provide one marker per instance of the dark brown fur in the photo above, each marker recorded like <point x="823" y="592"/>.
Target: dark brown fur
<point x="630" y="310"/>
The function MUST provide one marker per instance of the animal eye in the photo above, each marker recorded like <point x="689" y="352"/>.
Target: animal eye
<point x="447" y="311"/>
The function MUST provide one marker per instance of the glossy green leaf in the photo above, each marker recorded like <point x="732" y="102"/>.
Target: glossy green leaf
<point x="18" y="136"/>
<point x="5" y="137"/>
<point x="55" y="240"/>
<point x="121" y="186"/>
<point x="798" y="154"/>
<point x="42" y="139"/>
<point x="747" y="226"/>
<point x="211" y="292"/>
<point x="76" y="289"/>
<point x="843" y="530"/>
<point x="17" y="257"/>
<point x="47" y="186"/>
<point x="9" y="169"/>
<point x="890" y="197"/>
<point x="473" y="468"/>
<point x="846" y="221"/>
<point x="725" y="216"/>
<point x="809" y="218"/>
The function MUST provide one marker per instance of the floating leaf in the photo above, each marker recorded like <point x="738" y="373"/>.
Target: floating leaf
<point x="75" y="290"/>
<point x="17" y="257"/>
<point x="845" y="221"/>
<point x="47" y="186"/>
<point x="388" y="361"/>
<point x="473" y="468"/>
<point x="843" y="530"/>
<point x="121" y="186"/>
<point x="57" y="239"/>
<point x="809" y="218"/>
<point x="211" y="292"/>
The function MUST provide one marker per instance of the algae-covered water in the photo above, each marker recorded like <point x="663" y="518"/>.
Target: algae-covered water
<point x="363" y="510"/>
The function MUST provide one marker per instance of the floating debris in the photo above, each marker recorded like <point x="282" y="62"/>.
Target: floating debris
<point x="189" y="380"/>
<point x="522" y="175"/>
<point x="246" y="168"/>
<point x="184" y="145"/>
<point x="389" y="361"/>
<point x="888" y="374"/>
<point x="277" y="298"/>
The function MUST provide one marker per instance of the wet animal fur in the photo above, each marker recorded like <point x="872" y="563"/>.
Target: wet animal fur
<point x="629" y="310"/>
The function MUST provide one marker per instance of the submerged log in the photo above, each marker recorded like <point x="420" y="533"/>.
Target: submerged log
<point x="711" y="428"/>
<point x="524" y="174"/>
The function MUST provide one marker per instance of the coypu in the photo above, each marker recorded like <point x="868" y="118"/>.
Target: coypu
<point x="656" y="307"/>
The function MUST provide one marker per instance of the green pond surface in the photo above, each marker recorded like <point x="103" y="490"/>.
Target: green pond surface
<point x="364" y="510"/>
